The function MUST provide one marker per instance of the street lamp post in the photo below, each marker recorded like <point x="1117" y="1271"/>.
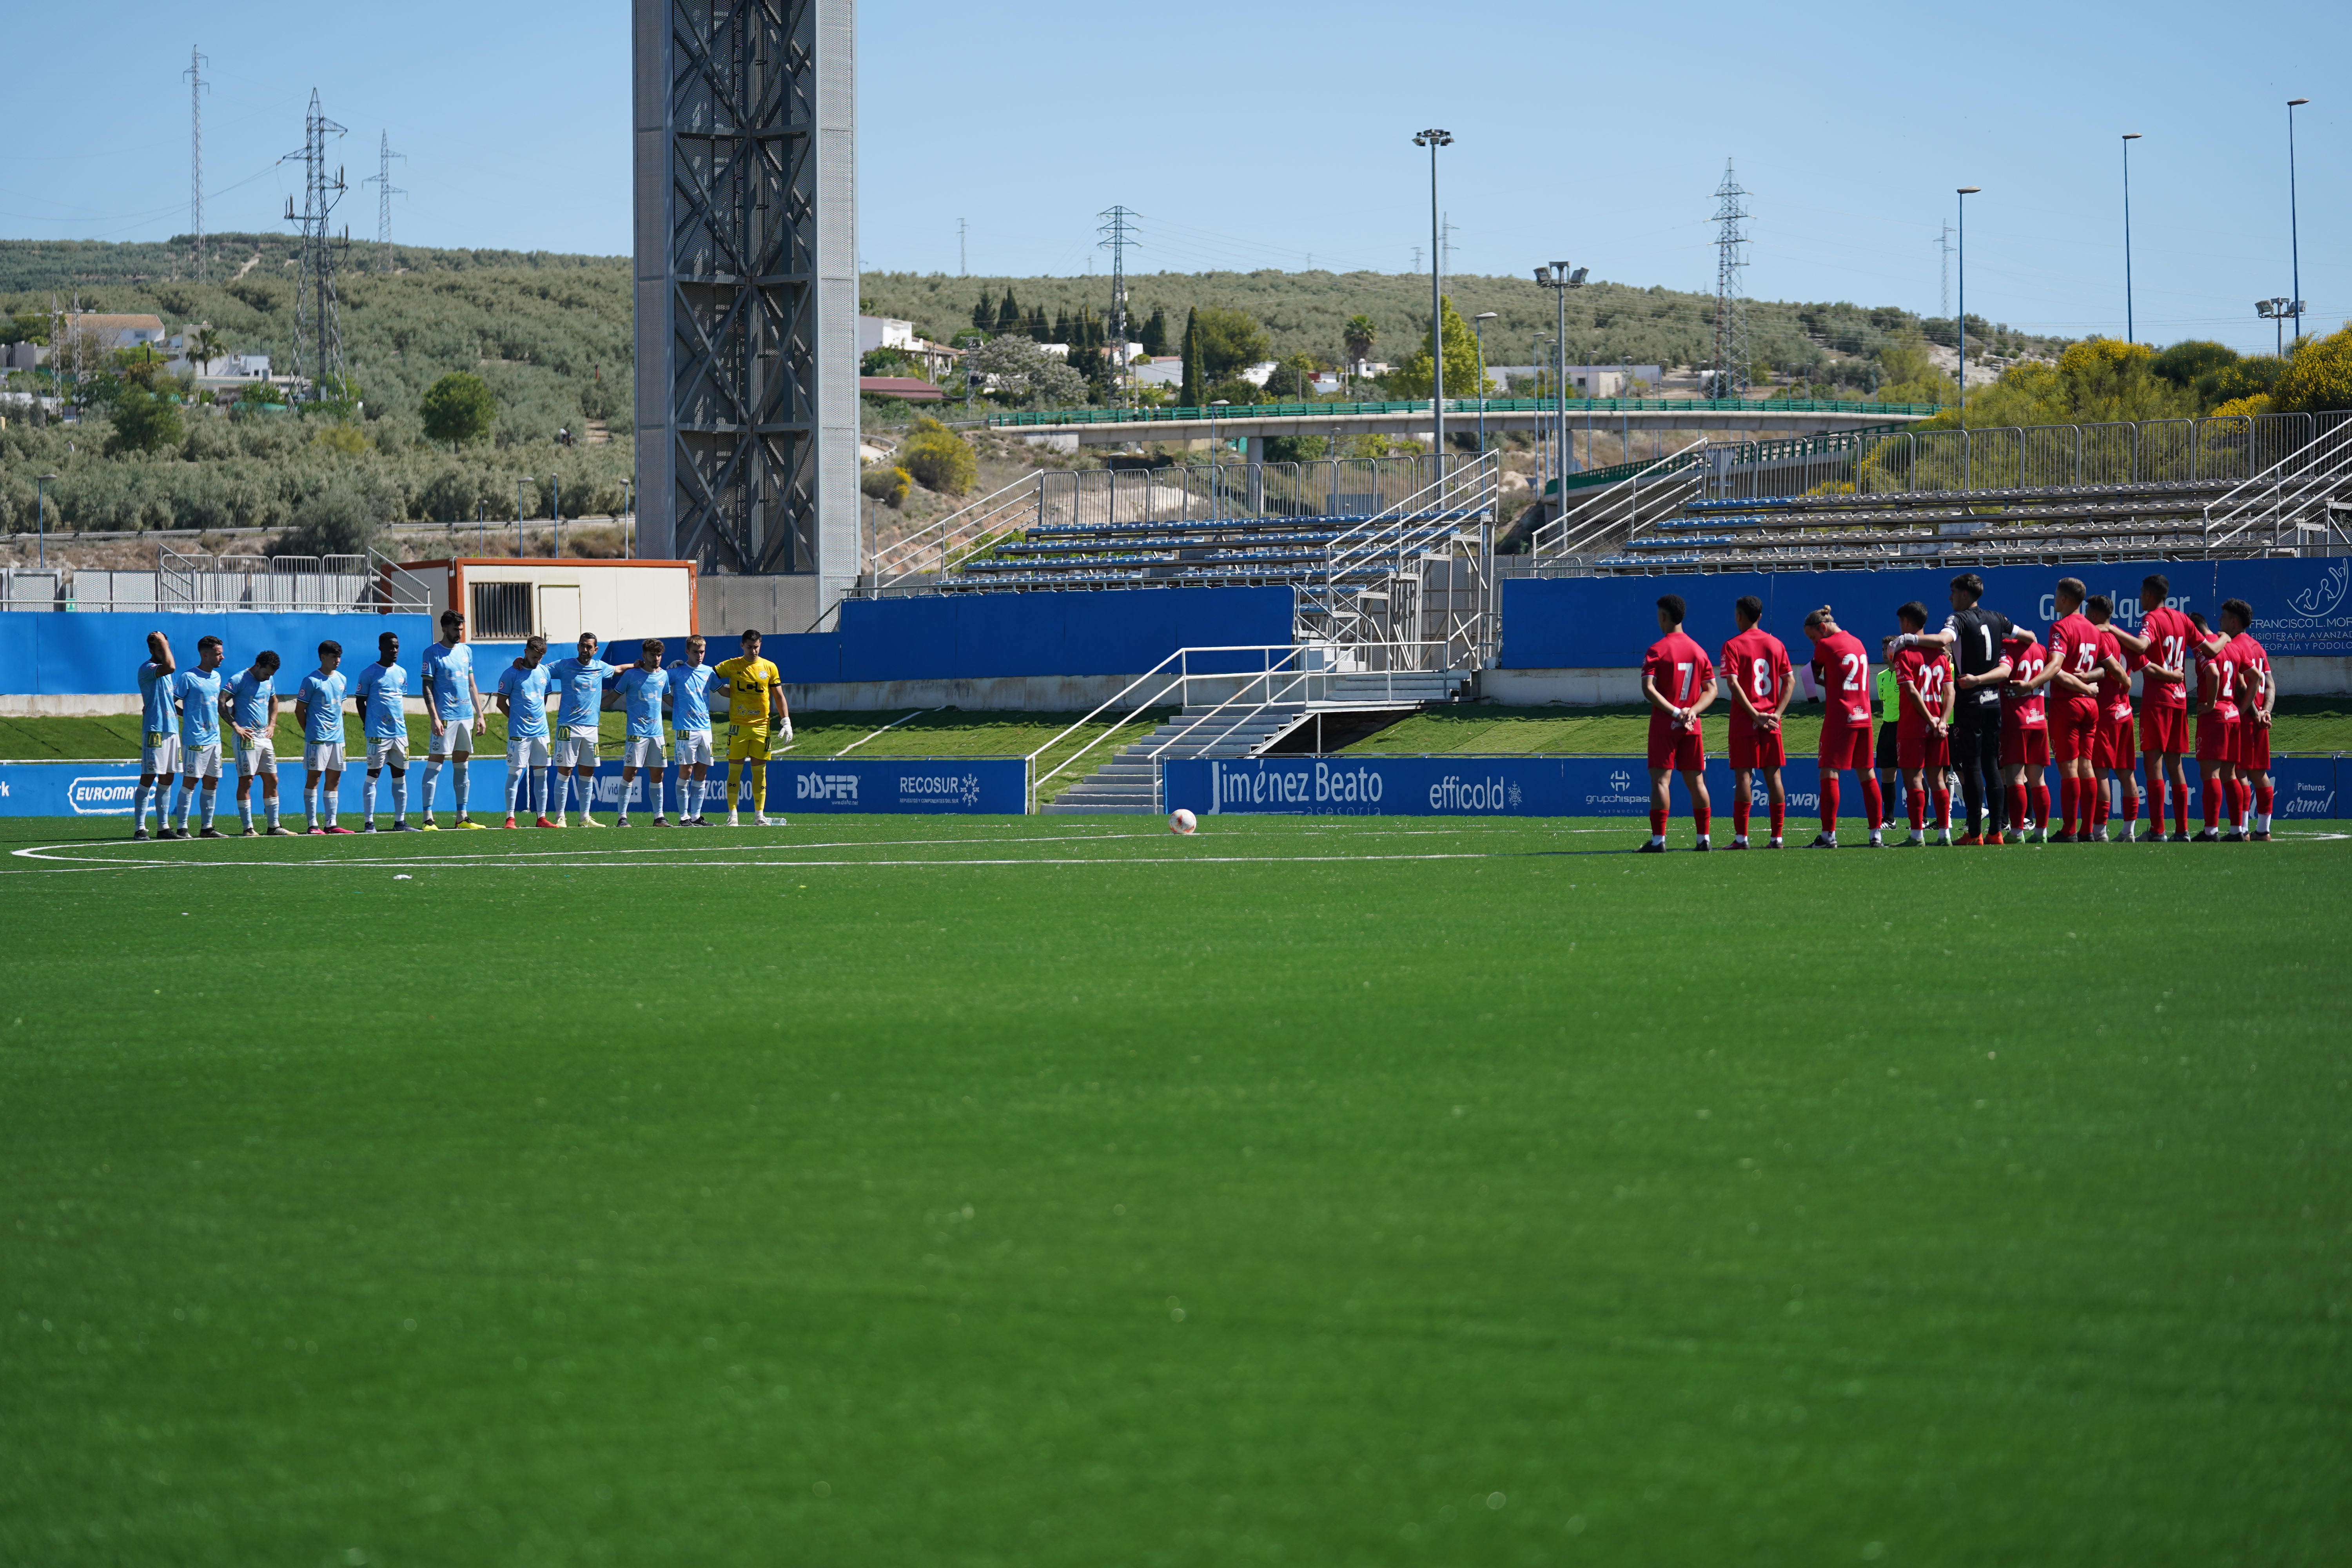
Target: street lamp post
<point x="2130" y="137"/>
<point x="1216" y="492"/>
<point x="41" y="516"/>
<point x="628" y="525"/>
<point x="1560" y="277"/>
<point x="2294" y="236"/>
<point x="1967" y="469"/>
<point x="520" y="480"/>
<point x="1433" y="140"/>
<point x="556" y="482"/>
<point x="1478" y="331"/>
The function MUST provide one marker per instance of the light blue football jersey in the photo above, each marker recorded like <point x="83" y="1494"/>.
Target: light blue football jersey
<point x="641" y="698"/>
<point x="450" y="680"/>
<point x="248" y="697"/>
<point x="581" y="683"/>
<point x="323" y="695"/>
<point x="380" y="691"/>
<point x="156" y="690"/>
<point x="526" y="694"/>
<point x="689" y="692"/>
<point x="199" y="694"/>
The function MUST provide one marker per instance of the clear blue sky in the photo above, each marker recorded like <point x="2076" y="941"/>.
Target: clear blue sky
<point x="1262" y="136"/>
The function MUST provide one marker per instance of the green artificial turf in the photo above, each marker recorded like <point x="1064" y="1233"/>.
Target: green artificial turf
<point x="2303" y="725"/>
<point x="1051" y="1191"/>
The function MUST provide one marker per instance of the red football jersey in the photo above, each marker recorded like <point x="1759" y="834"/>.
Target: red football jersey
<point x="2023" y="707"/>
<point x="2114" y="690"/>
<point x="2075" y="648"/>
<point x="2255" y="664"/>
<point x="1757" y="662"/>
<point x="2170" y="636"/>
<point x="1678" y="667"/>
<point x="2217" y="681"/>
<point x="1924" y="677"/>
<point x="1841" y="666"/>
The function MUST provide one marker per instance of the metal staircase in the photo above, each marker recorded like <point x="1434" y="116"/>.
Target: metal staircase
<point x="1128" y="783"/>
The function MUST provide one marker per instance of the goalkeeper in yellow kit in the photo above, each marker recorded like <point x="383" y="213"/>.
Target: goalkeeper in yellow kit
<point x="758" y="723"/>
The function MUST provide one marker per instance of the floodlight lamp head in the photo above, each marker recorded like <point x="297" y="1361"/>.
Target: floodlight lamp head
<point x="2296" y="102"/>
<point x="1576" y="278"/>
<point x="1485" y="315"/>
<point x="1970" y="190"/>
<point x="1433" y="138"/>
<point x="2262" y="308"/>
<point x="1543" y="275"/>
<point x="2131" y="136"/>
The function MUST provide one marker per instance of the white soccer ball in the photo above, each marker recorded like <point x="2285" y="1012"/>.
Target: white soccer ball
<point x="1182" y="821"/>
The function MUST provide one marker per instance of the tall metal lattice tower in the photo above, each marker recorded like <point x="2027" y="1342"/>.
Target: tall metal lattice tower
<point x="1118" y="233"/>
<point x="318" y="315"/>
<point x="1944" y="244"/>
<point x="747" y="290"/>
<point x="1731" y="349"/>
<point x="385" y="191"/>
<point x="196" y="85"/>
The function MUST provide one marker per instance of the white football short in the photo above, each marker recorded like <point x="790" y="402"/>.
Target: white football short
<point x="526" y="751"/>
<point x="323" y="756"/>
<point x="456" y="736"/>
<point x="643" y="751"/>
<point x="256" y="757"/>
<point x="391" y="750"/>
<point x="694" y="748"/>
<point x="576" y="748"/>
<point x="200" y="762"/>
<point x="159" y="751"/>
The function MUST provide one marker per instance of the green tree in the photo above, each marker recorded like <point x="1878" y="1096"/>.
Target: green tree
<point x="1906" y="374"/>
<point x="939" y="458"/>
<point x="983" y="315"/>
<point x="1293" y="378"/>
<point x="887" y="483"/>
<point x="145" y="421"/>
<point x="1008" y="317"/>
<point x="2191" y="361"/>
<point x="1154" y="336"/>
<point x="1358" y="337"/>
<point x="205" y="346"/>
<point x="2096" y="381"/>
<point x="1414" y="376"/>
<point x="1229" y="340"/>
<point x="2318" y="377"/>
<point x="459" y="407"/>
<point x="1187" y="394"/>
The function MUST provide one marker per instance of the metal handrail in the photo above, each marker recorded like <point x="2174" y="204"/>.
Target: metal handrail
<point x="1298" y="679"/>
<point x="966" y="526"/>
<point x="1189" y="414"/>
<point x="2318" y="469"/>
<point x="1552" y="538"/>
<point x="1178" y="657"/>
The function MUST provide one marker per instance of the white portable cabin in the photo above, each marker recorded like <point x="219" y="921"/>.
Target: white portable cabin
<point x="506" y="601"/>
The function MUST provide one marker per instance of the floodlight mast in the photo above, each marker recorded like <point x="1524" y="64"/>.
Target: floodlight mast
<point x="2294" y="236"/>
<point x="2130" y="137"/>
<point x="1559" y="277"/>
<point x="1433" y="140"/>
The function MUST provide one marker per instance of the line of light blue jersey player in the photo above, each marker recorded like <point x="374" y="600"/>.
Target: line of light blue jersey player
<point x="690" y="717"/>
<point x="197" y="695"/>
<point x="252" y="703"/>
<point x="318" y="709"/>
<point x="639" y="694"/>
<point x="522" y="697"/>
<point x="382" y="695"/>
<point x="159" y="738"/>
<point x="453" y="707"/>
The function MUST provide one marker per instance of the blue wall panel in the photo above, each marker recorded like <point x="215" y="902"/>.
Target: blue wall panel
<point x="71" y="653"/>
<point x="2301" y="606"/>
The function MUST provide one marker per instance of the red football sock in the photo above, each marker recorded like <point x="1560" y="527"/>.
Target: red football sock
<point x="1944" y="809"/>
<point x="1874" y="802"/>
<point x="1918" y="805"/>
<point x="1739" y="818"/>
<point x="2065" y="803"/>
<point x="2041" y="803"/>
<point x="2264" y="795"/>
<point x="2213" y="788"/>
<point x="2131" y="803"/>
<point x="2103" y="793"/>
<point x="2245" y="801"/>
<point x="1701" y="816"/>
<point x="2181" y="807"/>
<point x="1829" y="802"/>
<point x="1780" y="816"/>
<point x="2156" y="800"/>
<point x="1658" y="821"/>
<point x="2017" y="809"/>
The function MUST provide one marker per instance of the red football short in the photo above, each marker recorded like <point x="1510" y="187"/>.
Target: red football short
<point x="2163" y="729"/>
<point x="1753" y="748"/>
<point x="2253" y="746"/>
<point x="2113" y="748"/>
<point x="1685" y="751"/>
<point x="1845" y="746"/>
<point x="1922" y="751"/>
<point x="2025" y="748"/>
<point x="2074" y="730"/>
<point x="2216" y="739"/>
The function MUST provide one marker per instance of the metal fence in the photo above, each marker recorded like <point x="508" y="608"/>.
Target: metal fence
<point x="2218" y="450"/>
<point x="219" y="584"/>
<point x="1229" y="491"/>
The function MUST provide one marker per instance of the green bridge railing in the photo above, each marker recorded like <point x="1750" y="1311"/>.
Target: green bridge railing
<point x="1467" y="405"/>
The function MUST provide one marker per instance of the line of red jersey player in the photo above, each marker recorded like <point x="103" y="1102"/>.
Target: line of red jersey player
<point x="2070" y="702"/>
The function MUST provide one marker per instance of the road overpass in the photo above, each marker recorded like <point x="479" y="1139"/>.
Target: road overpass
<point x="1072" y="428"/>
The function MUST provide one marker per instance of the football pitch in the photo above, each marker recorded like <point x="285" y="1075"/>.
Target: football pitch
<point x="1059" y="1192"/>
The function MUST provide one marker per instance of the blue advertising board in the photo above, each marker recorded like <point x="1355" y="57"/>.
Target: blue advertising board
<point x="98" y="653"/>
<point x="889" y="785"/>
<point x="1562" y="786"/>
<point x="2302" y="607"/>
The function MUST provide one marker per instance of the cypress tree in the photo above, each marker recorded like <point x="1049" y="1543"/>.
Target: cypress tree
<point x="1154" y="336"/>
<point x="1188" y="393"/>
<point x="1008" y="314"/>
<point x="1061" y="326"/>
<point x="983" y="315"/>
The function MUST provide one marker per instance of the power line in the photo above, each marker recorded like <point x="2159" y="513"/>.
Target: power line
<point x="196" y="85"/>
<point x="1731" y="364"/>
